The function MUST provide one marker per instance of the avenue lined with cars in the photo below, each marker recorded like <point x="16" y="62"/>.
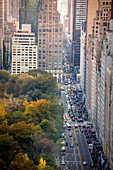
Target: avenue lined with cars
<point x="77" y="153"/>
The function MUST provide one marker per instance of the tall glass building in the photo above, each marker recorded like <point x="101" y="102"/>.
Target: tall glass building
<point x="28" y="14"/>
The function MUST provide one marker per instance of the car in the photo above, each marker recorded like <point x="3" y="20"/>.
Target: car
<point x="83" y="126"/>
<point x="62" y="158"/>
<point x="82" y="130"/>
<point x="81" y="120"/>
<point x="87" y="136"/>
<point x="63" y="162"/>
<point x="84" y="163"/>
<point x="71" y="145"/>
<point x="70" y="135"/>
<point x="76" y="126"/>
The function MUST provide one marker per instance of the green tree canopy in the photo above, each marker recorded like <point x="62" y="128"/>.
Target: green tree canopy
<point x="4" y="76"/>
<point x="22" y="162"/>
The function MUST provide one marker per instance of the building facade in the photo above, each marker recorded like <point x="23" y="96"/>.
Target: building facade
<point x="12" y="8"/>
<point x="28" y="14"/>
<point x="79" y="16"/>
<point x="70" y="15"/>
<point x="7" y="49"/>
<point x="107" y="95"/>
<point x="83" y="57"/>
<point x="1" y="31"/>
<point x="24" y="51"/>
<point x="50" y="39"/>
<point x="94" y="47"/>
<point x="92" y="7"/>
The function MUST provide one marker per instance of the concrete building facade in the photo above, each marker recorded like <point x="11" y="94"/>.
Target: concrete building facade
<point x="106" y="97"/>
<point x="94" y="46"/>
<point x="24" y="51"/>
<point x="92" y="7"/>
<point x="83" y="58"/>
<point x="50" y="39"/>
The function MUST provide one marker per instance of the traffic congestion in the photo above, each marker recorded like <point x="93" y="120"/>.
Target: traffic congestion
<point x="81" y="149"/>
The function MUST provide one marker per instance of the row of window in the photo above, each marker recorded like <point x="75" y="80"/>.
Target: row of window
<point x="27" y="54"/>
<point x="28" y="47"/>
<point x="51" y="30"/>
<point x="23" y="38"/>
<point x="25" y="35"/>
<point x="106" y="3"/>
<point x="48" y="17"/>
<point x="50" y="51"/>
<point x="50" y="45"/>
<point x="50" y="40"/>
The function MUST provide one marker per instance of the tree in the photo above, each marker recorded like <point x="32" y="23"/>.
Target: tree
<point x="4" y="76"/>
<point x="2" y="113"/>
<point x="11" y="87"/>
<point x="3" y="165"/>
<point x="21" y="130"/>
<point x="15" y="117"/>
<point x="8" y="148"/>
<point x="22" y="162"/>
<point x="42" y="164"/>
<point x="50" y="160"/>
<point x="46" y="125"/>
<point x="38" y="110"/>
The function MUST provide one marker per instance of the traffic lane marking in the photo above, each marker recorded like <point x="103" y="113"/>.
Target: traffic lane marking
<point x="78" y="148"/>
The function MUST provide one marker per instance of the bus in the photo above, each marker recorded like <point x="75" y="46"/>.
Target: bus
<point x="68" y="126"/>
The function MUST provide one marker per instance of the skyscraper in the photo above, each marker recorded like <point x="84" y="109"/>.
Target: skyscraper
<point x="83" y="57"/>
<point x="80" y="7"/>
<point x="70" y="15"/>
<point x="12" y="9"/>
<point x="50" y="39"/>
<point x="28" y="14"/>
<point x="1" y="31"/>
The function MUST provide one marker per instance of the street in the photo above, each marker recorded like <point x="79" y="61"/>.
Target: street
<point x="76" y="149"/>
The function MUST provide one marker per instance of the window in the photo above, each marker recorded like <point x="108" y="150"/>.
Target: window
<point x="104" y="23"/>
